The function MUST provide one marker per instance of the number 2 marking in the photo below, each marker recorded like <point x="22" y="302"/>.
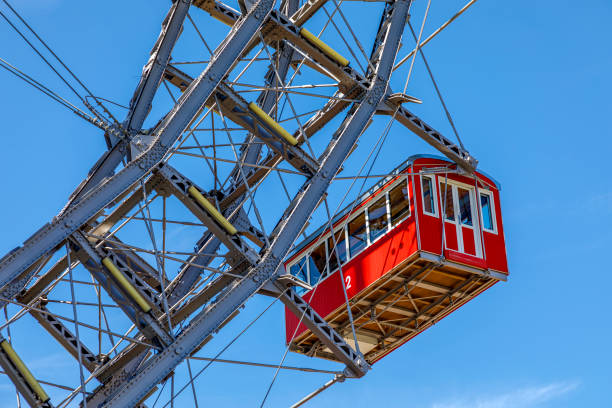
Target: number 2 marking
<point x="347" y="280"/>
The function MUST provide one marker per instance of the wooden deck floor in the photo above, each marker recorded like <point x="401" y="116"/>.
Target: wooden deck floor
<point x="400" y="305"/>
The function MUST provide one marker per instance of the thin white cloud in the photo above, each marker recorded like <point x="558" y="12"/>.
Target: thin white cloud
<point x="527" y="397"/>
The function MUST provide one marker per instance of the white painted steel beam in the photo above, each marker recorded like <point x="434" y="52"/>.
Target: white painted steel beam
<point x="65" y="337"/>
<point x="131" y="293"/>
<point x="237" y="109"/>
<point x="284" y="235"/>
<point x="177" y="120"/>
<point x="140" y="105"/>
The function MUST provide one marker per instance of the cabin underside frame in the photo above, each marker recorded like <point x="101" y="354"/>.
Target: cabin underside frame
<point x="404" y="302"/>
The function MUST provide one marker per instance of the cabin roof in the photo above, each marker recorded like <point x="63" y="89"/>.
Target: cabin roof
<point x="397" y="170"/>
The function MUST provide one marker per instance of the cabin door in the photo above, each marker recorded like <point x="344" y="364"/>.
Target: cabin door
<point x="458" y="202"/>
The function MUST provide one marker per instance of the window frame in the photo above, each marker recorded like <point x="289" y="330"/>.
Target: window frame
<point x="491" y="196"/>
<point x="299" y="290"/>
<point x="347" y="253"/>
<point x="385" y="195"/>
<point x="363" y="209"/>
<point x="308" y="255"/>
<point x="432" y="181"/>
<point x="476" y="214"/>
<point x="456" y="208"/>
<point x="391" y="187"/>
<point x="449" y="183"/>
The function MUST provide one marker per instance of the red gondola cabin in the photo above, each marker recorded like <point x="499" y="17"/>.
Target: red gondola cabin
<point x="404" y="269"/>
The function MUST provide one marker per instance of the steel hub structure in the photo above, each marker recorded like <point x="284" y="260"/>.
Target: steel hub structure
<point x="274" y="113"/>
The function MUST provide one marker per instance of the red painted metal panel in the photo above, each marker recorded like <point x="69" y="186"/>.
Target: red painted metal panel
<point x="403" y="241"/>
<point x="450" y="236"/>
<point x="469" y="243"/>
<point x="465" y="259"/>
<point x="360" y="272"/>
<point x="431" y="239"/>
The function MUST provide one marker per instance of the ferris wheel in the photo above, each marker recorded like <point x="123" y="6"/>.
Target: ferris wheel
<point x="192" y="217"/>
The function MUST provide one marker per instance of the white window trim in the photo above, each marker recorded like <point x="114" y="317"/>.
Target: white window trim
<point x="347" y="235"/>
<point x="366" y="214"/>
<point x="472" y="193"/>
<point x="442" y="203"/>
<point x="476" y="220"/>
<point x="365" y="210"/>
<point x="387" y="215"/>
<point x="435" y="195"/>
<point x="492" y="206"/>
<point x="306" y="267"/>
<point x="405" y="179"/>
<point x="305" y="256"/>
<point x="346" y="249"/>
<point x="344" y="227"/>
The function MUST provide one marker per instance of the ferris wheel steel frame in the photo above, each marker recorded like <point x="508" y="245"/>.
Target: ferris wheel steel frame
<point x="129" y="377"/>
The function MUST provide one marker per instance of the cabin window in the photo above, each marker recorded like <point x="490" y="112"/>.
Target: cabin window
<point x="357" y="234"/>
<point x="298" y="269"/>
<point x="377" y="218"/>
<point x="337" y="251"/>
<point x="316" y="264"/>
<point x="486" y="207"/>
<point x="465" y="206"/>
<point x="399" y="203"/>
<point x="429" y="195"/>
<point x="448" y="204"/>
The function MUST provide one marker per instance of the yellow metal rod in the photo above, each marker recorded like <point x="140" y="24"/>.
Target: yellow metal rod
<point x="212" y="210"/>
<point x="272" y="124"/>
<point x="125" y="284"/>
<point x="324" y="47"/>
<point x="223" y="18"/>
<point x="23" y="370"/>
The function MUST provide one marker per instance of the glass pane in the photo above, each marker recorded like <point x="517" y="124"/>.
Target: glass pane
<point x="428" y="196"/>
<point x="465" y="206"/>
<point x="340" y="250"/>
<point x="377" y="218"/>
<point x="298" y="269"/>
<point x="357" y="234"/>
<point x="487" y="215"/>
<point x="399" y="202"/>
<point x="448" y="205"/>
<point x="316" y="264"/>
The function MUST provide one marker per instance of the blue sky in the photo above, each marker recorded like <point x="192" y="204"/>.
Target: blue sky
<point x="528" y="86"/>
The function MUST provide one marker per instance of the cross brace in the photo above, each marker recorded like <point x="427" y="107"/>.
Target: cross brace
<point x="126" y="296"/>
<point x="235" y="108"/>
<point x="65" y="337"/>
<point x="140" y="105"/>
<point x="187" y="107"/>
<point x="287" y="230"/>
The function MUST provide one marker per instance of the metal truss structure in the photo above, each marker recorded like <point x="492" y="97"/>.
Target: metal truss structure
<point x="147" y="320"/>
